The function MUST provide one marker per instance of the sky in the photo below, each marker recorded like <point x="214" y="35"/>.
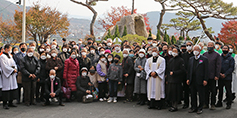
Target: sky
<point x="79" y="11"/>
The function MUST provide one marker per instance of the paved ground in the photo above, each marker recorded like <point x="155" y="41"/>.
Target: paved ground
<point x="108" y="110"/>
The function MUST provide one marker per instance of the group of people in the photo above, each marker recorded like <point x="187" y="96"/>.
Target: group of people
<point x="152" y="73"/>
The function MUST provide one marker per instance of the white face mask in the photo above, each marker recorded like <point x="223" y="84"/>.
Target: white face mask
<point x="125" y="55"/>
<point x="84" y="74"/>
<point x="30" y="54"/>
<point x="174" y="54"/>
<point x="73" y="56"/>
<point x="103" y="52"/>
<point x="80" y="42"/>
<point x="216" y="46"/>
<point x="154" y="44"/>
<point x="189" y="48"/>
<point x="92" y="51"/>
<point x="154" y="54"/>
<point x="10" y="52"/>
<point x="83" y="53"/>
<point x="150" y="43"/>
<point x="231" y="50"/>
<point x="48" y="56"/>
<point x="54" y="55"/>
<point x="47" y="50"/>
<point x="43" y="57"/>
<point x="110" y="59"/>
<point x="170" y="52"/>
<point x="103" y="59"/>
<point x="141" y="55"/>
<point x="64" y="49"/>
<point x="106" y="55"/>
<point x="41" y="50"/>
<point x="117" y="48"/>
<point x="53" y="46"/>
<point x="16" y="52"/>
<point x="52" y="76"/>
<point x="195" y="53"/>
<point x="32" y="47"/>
<point x="109" y="44"/>
<point x="149" y="52"/>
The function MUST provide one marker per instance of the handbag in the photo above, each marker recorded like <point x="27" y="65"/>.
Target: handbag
<point x="66" y="91"/>
<point x="87" y="98"/>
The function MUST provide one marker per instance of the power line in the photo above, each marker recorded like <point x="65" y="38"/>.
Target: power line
<point x="6" y="7"/>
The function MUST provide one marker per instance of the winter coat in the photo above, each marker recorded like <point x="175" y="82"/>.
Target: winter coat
<point x="71" y="72"/>
<point x="115" y="72"/>
<point x="63" y="56"/>
<point x="127" y="66"/>
<point x="140" y="85"/>
<point x="51" y="63"/>
<point x="94" y="58"/>
<point x="42" y="75"/>
<point x="176" y="65"/>
<point x="227" y="66"/>
<point x="84" y="62"/>
<point x="82" y="84"/>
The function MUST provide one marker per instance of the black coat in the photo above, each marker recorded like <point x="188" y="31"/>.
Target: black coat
<point x="127" y="66"/>
<point x="17" y="58"/>
<point x="84" y="62"/>
<point x="56" y="87"/>
<point x="63" y="56"/>
<point x="176" y="65"/>
<point x="29" y="66"/>
<point x="82" y="84"/>
<point x="201" y="70"/>
<point x="227" y="66"/>
<point x="43" y="73"/>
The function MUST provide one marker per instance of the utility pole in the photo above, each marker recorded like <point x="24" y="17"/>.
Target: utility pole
<point x="24" y="22"/>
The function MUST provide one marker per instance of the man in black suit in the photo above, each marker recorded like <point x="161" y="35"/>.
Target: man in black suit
<point x="197" y="78"/>
<point x="53" y="88"/>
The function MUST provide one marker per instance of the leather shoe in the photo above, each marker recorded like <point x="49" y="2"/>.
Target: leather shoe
<point x="61" y="104"/>
<point x="192" y="111"/>
<point x="12" y="105"/>
<point x="5" y="107"/>
<point x="199" y="112"/>
<point x="185" y="106"/>
<point x="172" y="109"/>
<point x="228" y="106"/>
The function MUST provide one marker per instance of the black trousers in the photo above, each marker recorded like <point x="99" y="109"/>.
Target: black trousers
<point x="19" y="92"/>
<point x="39" y="90"/>
<point x="186" y="91"/>
<point x="29" y="91"/>
<point x="227" y="85"/>
<point x="60" y="96"/>
<point x="80" y="94"/>
<point x="102" y="89"/>
<point x="194" y="88"/>
<point x="210" y="89"/>
<point x="129" y="91"/>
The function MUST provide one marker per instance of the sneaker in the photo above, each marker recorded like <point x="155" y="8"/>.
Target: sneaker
<point x="110" y="100"/>
<point x="55" y="100"/>
<point x="101" y="99"/>
<point x="213" y="107"/>
<point x="105" y="99"/>
<point x="115" y="101"/>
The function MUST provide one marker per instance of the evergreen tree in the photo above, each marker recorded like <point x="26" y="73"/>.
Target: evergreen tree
<point x="168" y="39"/>
<point x="124" y="31"/>
<point x="173" y="40"/>
<point x="116" y="34"/>
<point x="188" y="38"/>
<point x="165" y="37"/>
<point x="150" y="34"/>
<point x="158" y="35"/>
<point x="108" y="35"/>
<point x="181" y="38"/>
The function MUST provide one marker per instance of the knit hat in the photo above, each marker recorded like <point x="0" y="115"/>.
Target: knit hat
<point x="107" y="51"/>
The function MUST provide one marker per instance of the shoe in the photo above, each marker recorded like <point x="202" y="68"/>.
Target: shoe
<point x="105" y="99"/>
<point x="172" y="109"/>
<point x="61" y="104"/>
<point x="125" y="101"/>
<point x="5" y="107"/>
<point x="219" y="104"/>
<point x="205" y="106"/>
<point x="192" y="111"/>
<point x="101" y="99"/>
<point x="199" y="112"/>
<point x="139" y="103"/>
<point x="159" y="108"/>
<point x="12" y="105"/>
<point x="55" y="100"/>
<point x="228" y="106"/>
<point x="185" y="106"/>
<point x="142" y="103"/>
<point x="33" y="103"/>
<point x="115" y="101"/>
<point x="149" y="107"/>
<point x="213" y="107"/>
<point x="110" y="100"/>
<point x="233" y="96"/>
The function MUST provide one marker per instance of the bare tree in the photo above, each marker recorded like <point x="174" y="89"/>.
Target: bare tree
<point x="132" y="6"/>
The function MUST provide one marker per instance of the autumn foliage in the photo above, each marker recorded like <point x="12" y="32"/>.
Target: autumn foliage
<point x="115" y="14"/>
<point x="228" y="33"/>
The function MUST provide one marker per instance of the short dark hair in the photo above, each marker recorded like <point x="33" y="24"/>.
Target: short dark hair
<point x="91" y="47"/>
<point x="149" y="38"/>
<point x="218" y="43"/>
<point x="7" y="46"/>
<point x="64" y="39"/>
<point x="22" y="44"/>
<point x="226" y="46"/>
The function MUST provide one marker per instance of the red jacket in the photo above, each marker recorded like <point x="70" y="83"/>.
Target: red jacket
<point x="71" y="72"/>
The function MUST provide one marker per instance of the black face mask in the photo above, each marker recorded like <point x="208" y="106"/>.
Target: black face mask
<point x="165" y="51"/>
<point x="89" y="43"/>
<point x="116" y="61"/>
<point x="225" y="52"/>
<point x="92" y="71"/>
<point x="210" y="49"/>
<point x="23" y="49"/>
<point x="160" y="48"/>
<point x="184" y="50"/>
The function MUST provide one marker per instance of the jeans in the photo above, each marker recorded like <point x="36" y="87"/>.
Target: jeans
<point x="113" y="87"/>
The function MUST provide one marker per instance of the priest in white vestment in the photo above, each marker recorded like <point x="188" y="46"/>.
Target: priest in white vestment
<point x="8" y="77"/>
<point x="155" y="69"/>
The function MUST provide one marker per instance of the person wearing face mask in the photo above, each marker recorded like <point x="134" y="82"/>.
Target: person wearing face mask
<point x="114" y="78"/>
<point x="30" y="68"/>
<point x="101" y="51"/>
<point x="55" y="63"/>
<point x="201" y="44"/>
<point x="64" y="54"/>
<point x="118" y="51"/>
<point x="149" y="52"/>
<point x="80" y="45"/>
<point x="175" y="71"/>
<point x="53" y="88"/>
<point x="132" y="55"/>
<point x="218" y="48"/>
<point x="149" y="42"/>
<point x="183" y="49"/>
<point x="93" y="75"/>
<point x="14" y="51"/>
<point x="197" y="79"/>
<point x="70" y="73"/>
<point x="227" y="68"/>
<point x="90" y="42"/>
<point x="128" y="75"/>
<point x="107" y="52"/>
<point x="155" y="70"/>
<point x="110" y="59"/>
<point x="93" y="56"/>
<point x="83" y="60"/>
<point x="41" y="77"/>
<point x="186" y="56"/>
<point x="109" y="44"/>
<point x="84" y="85"/>
<point x="41" y="49"/>
<point x="214" y="65"/>
<point x="32" y="45"/>
<point x="140" y="85"/>
<point x="8" y="82"/>
<point x="17" y="57"/>
<point x="102" y="72"/>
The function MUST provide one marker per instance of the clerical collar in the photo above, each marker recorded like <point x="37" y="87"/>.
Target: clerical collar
<point x="197" y="57"/>
<point x="6" y="54"/>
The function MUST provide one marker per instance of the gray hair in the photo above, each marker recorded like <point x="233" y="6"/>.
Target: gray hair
<point x="155" y="47"/>
<point x="211" y="42"/>
<point x="32" y="42"/>
<point x="189" y="42"/>
<point x="201" y="43"/>
<point x="53" y="50"/>
<point x="197" y="46"/>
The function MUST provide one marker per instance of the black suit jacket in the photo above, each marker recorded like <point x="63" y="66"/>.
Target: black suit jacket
<point x="56" y="87"/>
<point x="201" y="70"/>
<point x="17" y="58"/>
